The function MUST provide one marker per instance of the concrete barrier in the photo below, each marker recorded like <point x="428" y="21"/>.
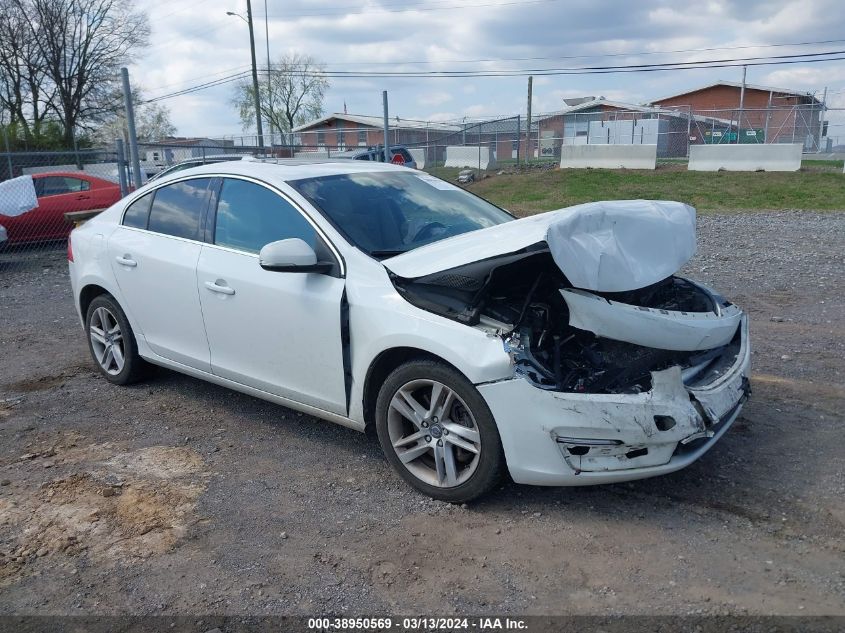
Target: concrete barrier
<point x="418" y="154"/>
<point x="314" y="154"/>
<point x="478" y="157"/>
<point x="774" y="157"/>
<point x="609" y="156"/>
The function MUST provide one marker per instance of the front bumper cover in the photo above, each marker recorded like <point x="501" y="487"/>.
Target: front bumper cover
<point x="545" y="434"/>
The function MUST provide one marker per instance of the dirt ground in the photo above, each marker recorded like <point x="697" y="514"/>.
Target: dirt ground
<point x="179" y="497"/>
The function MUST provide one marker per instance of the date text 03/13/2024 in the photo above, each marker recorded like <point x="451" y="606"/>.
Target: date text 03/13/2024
<point x="421" y="623"/>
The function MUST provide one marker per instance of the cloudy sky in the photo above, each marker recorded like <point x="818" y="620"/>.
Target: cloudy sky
<point x="195" y="42"/>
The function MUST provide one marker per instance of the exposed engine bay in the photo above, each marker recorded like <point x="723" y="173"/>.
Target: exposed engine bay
<point x="566" y="339"/>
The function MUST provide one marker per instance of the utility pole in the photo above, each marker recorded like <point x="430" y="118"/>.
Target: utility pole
<point x="741" y="103"/>
<point x="248" y="20"/>
<point x="254" y="75"/>
<point x="386" y="127"/>
<point x="269" y="76"/>
<point x="130" y="125"/>
<point x="528" y="122"/>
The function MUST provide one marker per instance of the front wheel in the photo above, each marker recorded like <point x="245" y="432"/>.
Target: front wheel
<point x="438" y="432"/>
<point x="112" y="342"/>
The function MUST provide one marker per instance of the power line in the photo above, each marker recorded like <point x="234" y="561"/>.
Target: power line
<point x="241" y="68"/>
<point x="204" y="86"/>
<point x="594" y="56"/>
<point x="569" y="70"/>
<point x="807" y="58"/>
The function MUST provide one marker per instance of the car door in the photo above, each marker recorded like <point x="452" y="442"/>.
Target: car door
<point x="154" y="254"/>
<point x="57" y="195"/>
<point x="103" y="194"/>
<point x="279" y="332"/>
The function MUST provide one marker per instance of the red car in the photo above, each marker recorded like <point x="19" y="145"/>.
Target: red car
<point x="58" y="193"/>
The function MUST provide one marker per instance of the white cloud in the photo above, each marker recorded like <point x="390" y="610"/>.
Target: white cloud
<point x="193" y="42"/>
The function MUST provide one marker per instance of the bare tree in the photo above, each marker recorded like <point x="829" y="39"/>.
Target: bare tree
<point x="294" y="94"/>
<point x="24" y="91"/>
<point x="83" y="44"/>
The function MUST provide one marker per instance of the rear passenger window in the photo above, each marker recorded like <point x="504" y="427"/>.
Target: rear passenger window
<point x="250" y="216"/>
<point x="138" y="212"/>
<point x="177" y="208"/>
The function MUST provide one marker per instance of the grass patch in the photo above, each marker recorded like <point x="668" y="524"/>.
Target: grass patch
<point x="822" y="165"/>
<point x="542" y="190"/>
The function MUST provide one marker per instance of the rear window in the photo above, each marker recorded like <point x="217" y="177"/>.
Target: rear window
<point x="57" y="185"/>
<point x="177" y="208"/>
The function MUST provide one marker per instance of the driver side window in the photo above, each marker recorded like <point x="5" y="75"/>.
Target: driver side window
<point x="250" y="216"/>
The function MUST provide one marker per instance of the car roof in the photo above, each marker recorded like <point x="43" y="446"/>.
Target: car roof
<point x="80" y="175"/>
<point x="214" y="157"/>
<point x="286" y="169"/>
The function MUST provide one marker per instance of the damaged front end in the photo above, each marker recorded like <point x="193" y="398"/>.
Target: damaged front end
<point x="565" y="339"/>
<point x="615" y="378"/>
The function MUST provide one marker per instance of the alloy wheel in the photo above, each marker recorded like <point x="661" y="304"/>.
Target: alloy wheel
<point x="434" y="433"/>
<point x="107" y="341"/>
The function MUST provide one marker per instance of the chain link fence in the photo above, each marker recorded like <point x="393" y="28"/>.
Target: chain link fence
<point x="508" y="141"/>
<point x="71" y="185"/>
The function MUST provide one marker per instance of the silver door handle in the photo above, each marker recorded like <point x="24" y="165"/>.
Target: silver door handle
<point x="214" y="286"/>
<point x="125" y="260"/>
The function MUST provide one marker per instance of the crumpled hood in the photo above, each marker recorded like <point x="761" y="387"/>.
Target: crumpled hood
<point x="611" y="246"/>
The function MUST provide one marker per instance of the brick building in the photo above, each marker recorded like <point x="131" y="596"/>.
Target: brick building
<point x="770" y="115"/>
<point x="340" y="131"/>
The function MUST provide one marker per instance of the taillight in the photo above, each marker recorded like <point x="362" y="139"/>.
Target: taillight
<point x="69" y="249"/>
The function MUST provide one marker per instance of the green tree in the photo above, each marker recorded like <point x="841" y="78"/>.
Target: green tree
<point x="291" y="93"/>
<point x="152" y="123"/>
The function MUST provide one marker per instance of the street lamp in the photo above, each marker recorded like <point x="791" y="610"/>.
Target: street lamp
<point x="248" y="20"/>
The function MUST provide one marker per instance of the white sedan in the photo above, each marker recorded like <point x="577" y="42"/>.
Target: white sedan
<point x="560" y="348"/>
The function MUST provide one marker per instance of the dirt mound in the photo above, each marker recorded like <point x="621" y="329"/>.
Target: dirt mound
<point x="130" y="505"/>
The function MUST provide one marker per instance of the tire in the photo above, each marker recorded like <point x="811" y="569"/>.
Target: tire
<point x="420" y="441"/>
<point x="116" y="336"/>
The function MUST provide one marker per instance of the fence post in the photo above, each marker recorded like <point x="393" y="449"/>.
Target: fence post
<point x="8" y="152"/>
<point x="121" y="166"/>
<point x="130" y="124"/>
<point x="386" y="127"/>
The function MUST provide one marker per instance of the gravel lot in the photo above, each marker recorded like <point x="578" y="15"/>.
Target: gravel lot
<point x="179" y="497"/>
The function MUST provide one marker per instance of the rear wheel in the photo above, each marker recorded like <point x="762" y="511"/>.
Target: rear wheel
<point x="437" y="432"/>
<point x="112" y="342"/>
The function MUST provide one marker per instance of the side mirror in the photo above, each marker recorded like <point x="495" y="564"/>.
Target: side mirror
<point x="291" y="256"/>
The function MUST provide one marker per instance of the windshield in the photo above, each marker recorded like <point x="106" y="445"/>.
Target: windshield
<point x="385" y="213"/>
